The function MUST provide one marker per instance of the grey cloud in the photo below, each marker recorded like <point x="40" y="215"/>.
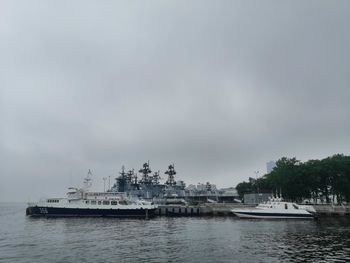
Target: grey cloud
<point x="218" y="88"/>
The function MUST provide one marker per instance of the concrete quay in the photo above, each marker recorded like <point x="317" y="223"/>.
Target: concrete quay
<point x="224" y="209"/>
<point x="332" y="210"/>
<point x="208" y="209"/>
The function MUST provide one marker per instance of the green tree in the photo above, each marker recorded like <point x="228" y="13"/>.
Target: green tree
<point x="327" y="179"/>
<point x="244" y="188"/>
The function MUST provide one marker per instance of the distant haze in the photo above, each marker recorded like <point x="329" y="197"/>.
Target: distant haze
<point x="217" y="87"/>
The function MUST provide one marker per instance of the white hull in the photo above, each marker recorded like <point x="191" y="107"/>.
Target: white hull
<point x="272" y="216"/>
<point x="274" y="209"/>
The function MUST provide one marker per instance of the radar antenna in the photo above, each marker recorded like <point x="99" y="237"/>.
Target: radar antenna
<point x="145" y="173"/>
<point x="171" y="178"/>
<point x="87" y="180"/>
<point x="156" y="177"/>
<point x="122" y="180"/>
<point x="123" y="173"/>
<point x="129" y="175"/>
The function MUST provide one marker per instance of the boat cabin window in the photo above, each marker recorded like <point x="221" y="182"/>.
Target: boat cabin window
<point x="295" y="206"/>
<point x="86" y="202"/>
<point x="285" y="206"/>
<point x="52" y="200"/>
<point x="93" y="202"/>
<point x="123" y="202"/>
<point x="99" y="202"/>
<point x="105" y="202"/>
<point x="114" y="202"/>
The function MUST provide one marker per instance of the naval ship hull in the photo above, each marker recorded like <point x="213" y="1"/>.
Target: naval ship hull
<point x="41" y="211"/>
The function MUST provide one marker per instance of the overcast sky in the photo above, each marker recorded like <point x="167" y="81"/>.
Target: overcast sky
<point x="217" y="87"/>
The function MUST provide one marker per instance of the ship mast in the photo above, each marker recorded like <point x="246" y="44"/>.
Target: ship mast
<point x="171" y="178"/>
<point x="123" y="173"/>
<point x="156" y="177"/>
<point x="129" y="176"/>
<point x="145" y="171"/>
<point x="121" y="180"/>
<point x="87" y="180"/>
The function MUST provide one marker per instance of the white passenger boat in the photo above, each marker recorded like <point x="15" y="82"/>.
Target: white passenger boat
<point x="276" y="208"/>
<point x="81" y="202"/>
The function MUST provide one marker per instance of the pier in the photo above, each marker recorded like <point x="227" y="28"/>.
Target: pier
<point x="207" y="209"/>
<point x="224" y="209"/>
<point x="332" y="210"/>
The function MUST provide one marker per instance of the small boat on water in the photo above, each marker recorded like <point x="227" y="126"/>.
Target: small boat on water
<point x="81" y="202"/>
<point x="276" y="208"/>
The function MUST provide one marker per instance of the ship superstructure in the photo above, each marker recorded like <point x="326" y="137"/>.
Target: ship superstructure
<point x="147" y="185"/>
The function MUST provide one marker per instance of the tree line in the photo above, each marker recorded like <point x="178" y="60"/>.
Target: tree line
<point x="326" y="180"/>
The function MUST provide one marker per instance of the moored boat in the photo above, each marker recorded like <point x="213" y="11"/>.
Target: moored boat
<point x="81" y="202"/>
<point x="276" y="208"/>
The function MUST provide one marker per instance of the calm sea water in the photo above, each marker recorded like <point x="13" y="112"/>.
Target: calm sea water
<point x="210" y="239"/>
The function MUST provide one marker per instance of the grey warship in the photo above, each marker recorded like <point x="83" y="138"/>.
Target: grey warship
<point x="147" y="186"/>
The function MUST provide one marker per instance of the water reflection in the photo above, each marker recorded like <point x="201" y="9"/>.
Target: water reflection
<point x="327" y="240"/>
<point x="221" y="239"/>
